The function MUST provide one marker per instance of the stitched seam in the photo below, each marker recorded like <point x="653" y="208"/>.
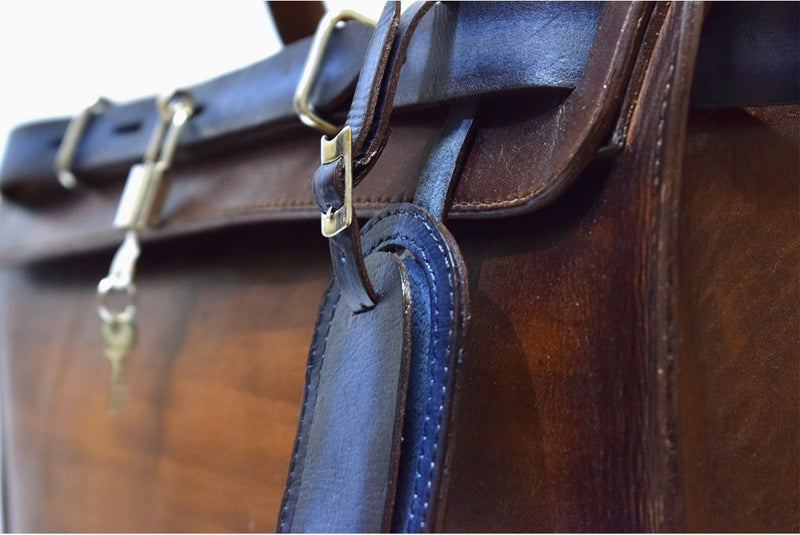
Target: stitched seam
<point x="273" y="205"/>
<point x="657" y="219"/>
<point x="519" y="198"/>
<point x="284" y="510"/>
<point x="657" y="169"/>
<point x="439" y="409"/>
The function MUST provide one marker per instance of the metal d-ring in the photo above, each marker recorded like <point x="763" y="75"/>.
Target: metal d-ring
<point x="71" y="140"/>
<point x="304" y="108"/>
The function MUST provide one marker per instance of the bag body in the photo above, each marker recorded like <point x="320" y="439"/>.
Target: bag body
<point x="630" y="362"/>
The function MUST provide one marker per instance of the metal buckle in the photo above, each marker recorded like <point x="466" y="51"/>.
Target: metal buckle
<point x="331" y="150"/>
<point x="70" y="141"/>
<point x="302" y="106"/>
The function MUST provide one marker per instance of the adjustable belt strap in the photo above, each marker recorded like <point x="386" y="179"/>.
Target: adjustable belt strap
<point x="533" y="46"/>
<point x="362" y="140"/>
<point x="255" y="103"/>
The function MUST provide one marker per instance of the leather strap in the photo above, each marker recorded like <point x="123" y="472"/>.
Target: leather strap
<point x="440" y="175"/>
<point x="344" y="466"/>
<point x="537" y="46"/>
<point x="563" y="139"/>
<point x="345" y="475"/>
<point x="368" y="118"/>
<point x="254" y="104"/>
<point x="749" y="54"/>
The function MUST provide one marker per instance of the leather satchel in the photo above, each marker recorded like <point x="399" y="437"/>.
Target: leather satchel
<point x="556" y="287"/>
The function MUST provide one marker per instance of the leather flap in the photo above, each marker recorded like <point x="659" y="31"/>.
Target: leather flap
<point x="541" y="141"/>
<point x="533" y="138"/>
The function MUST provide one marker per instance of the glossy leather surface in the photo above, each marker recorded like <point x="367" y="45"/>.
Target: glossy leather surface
<point x="632" y="366"/>
<point x="443" y="166"/>
<point x="341" y="487"/>
<point x="760" y="67"/>
<point x="262" y="183"/>
<point x="256" y="102"/>
<point x="440" y="315"/>
<point x="344" y="466"/>
<point x="368" y="120"/>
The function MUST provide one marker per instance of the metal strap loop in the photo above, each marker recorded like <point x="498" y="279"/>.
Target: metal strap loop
<point x="305" y="110"/>
<point x="71" y="140"/>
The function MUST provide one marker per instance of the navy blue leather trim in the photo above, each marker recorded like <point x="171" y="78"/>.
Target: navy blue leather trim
<point x="439" y="318"/>
<point x="344" y="469"/>
<point x="315" y="356"/>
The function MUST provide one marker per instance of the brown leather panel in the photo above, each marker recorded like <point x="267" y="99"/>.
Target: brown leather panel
<point x="214" y="387"/>
<point x="244" y="186"/>
<point x="738" y="365"/>
<point x="551" y="149"/>
<point x="631" y="364"/>
<point x="566" y="414"/>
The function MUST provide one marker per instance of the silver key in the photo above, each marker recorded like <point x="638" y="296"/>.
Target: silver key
<point x="119" y="337"/>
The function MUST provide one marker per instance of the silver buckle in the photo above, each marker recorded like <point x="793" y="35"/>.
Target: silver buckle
<point x="331" y="150"/>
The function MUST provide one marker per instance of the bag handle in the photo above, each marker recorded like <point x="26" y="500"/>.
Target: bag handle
<point x="295" y="20"/>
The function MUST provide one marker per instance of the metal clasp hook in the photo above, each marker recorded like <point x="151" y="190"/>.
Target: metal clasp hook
<point x="340" y="146"/>
<point x="140" y="205"/>
<point x="120" y="279"/>
<point x="141" y="202"/>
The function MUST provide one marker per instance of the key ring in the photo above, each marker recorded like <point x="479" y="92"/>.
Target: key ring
<point x="120" y="279"/>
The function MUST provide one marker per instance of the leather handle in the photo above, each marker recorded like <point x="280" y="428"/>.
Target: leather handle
<point x="295" y="20"/>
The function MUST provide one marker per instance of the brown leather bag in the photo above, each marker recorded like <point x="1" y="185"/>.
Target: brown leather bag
<point x="627" y="213"/>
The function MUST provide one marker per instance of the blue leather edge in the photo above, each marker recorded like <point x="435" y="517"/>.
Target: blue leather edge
<point x="329" y="303"/>
<point x="439" y="318"/>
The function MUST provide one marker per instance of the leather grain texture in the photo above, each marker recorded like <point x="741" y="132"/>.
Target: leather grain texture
<point x="631" y="363"/>
<point x="738" y="295"/>
<point x="261" y="182"/>
<point x="214" y="386"/>
<point x="326" y="487"/>
<point x="757" y="39"/>
<point x="439" y="322"/>
<point x="262" y="163"/>
<point x="572" y="409"/>
<point x="766" y="62"/>
<point x="344" y="466"/>
<point x="237" y="106"/>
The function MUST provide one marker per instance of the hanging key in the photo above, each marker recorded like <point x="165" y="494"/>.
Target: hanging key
<point x="139" y="208"/>
<point x="119" y="337"/>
